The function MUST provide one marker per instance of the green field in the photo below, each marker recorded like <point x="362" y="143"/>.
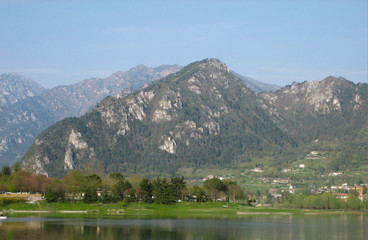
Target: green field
<point x="144" y="210"/>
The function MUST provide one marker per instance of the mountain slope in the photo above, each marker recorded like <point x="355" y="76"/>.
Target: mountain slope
<point x="202" y="115"/>
<point x="14" y="88"/>
<point x="329" y="116"/>
<point x="23" y="120"/>
<point x="331" y="108"/>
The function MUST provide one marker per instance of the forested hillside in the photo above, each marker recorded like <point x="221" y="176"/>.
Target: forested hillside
<point x="205" y="116"/>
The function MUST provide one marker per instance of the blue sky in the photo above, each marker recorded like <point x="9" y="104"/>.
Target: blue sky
<point x="278" y="42"/>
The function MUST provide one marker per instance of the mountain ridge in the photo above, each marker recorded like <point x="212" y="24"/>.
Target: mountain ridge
<point x="23" y="120"/>
<point x="201" y="116"/>
<point x="24" y="117"/>
<point x="14" y="87"/>
<point x="191" y="118"/>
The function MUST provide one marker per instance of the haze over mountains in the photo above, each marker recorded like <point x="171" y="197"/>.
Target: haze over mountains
<point x="27" y="108"/>
<point x="204" y="115"/>
<point x="14" y="88"/>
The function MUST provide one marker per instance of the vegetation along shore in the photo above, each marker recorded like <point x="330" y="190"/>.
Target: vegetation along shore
<point x="25" y="193"/>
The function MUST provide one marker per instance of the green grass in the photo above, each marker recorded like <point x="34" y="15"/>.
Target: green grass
<point x="139" y="210"/>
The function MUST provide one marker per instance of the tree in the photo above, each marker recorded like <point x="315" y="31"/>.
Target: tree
<point x="50" y="196"/>
<point x="353" y="202"/>
<point x="179" y="187"/>
<point x="93" y="181"/>
<point x="106" y="197"/>
<point x="6" y="171"/>
<point x="117" y="176"/>
<point x="135" y="181"/>
<point x="163" y="191"/>
<point x="17" y="167"/>
<point x="214" y="186"/>
<point x="119" y="186"/>
<point x="199" y="193"/>
<point x="234" y="191"/>
<point x="22" y="181"/>
<point x="39" y="183"/>
<point x="90" y="195"/>
<point x="146" y="190"/>
<point x="74" y="183"/>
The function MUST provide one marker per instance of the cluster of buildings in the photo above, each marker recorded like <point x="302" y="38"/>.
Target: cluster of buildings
<point x="223" y="177"/>
<point x="342" y="191"/>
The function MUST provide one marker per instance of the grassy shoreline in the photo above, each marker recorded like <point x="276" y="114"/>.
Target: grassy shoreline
<point x="144" y="210"/>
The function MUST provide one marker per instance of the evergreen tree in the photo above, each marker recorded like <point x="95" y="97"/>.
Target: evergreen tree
<point x="90" y="196"/>
<point x="163" y="191"/>
<point x="50" y="196"/>
<point x="178" y="187"/>
<point x="146" y="188"/>
<point x="6" y="171"/>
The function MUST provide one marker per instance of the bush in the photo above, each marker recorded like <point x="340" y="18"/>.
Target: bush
<point x="11" y="200"/>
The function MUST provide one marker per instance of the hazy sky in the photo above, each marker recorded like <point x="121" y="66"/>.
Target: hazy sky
<point x="278" y="42"/>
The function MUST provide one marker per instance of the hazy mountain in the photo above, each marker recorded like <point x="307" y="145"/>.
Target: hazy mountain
<point x="23" y="120"/>
<point x="14" y="87"/>
<point x="257" y="86"/>
<point x="202" y="115"/>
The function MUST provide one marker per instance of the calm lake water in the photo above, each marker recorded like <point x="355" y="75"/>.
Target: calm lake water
<point x="342" y="226"/>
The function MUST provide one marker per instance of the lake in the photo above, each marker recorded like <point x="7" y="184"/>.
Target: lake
<point x="324" y="226"/>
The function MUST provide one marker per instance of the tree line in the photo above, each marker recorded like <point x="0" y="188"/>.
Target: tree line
<point x="115" y="187"/>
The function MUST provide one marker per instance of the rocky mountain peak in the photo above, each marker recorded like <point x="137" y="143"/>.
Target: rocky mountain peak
<point x="214" y="64"/>
<point x="322" y="96"/>
<point x="138" y="68"/>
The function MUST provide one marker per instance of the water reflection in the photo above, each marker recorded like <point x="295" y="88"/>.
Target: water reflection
<point x="250" y="227"/>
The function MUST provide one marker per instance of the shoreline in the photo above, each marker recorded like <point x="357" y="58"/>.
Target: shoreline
<point x="263" y="213"/>
<point x="46" y="211"/>
<point x="185" y="210"/>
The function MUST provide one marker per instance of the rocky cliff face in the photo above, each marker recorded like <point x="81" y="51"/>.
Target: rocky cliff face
<point x="33" y="109"/>
<point x="201" y="115"/>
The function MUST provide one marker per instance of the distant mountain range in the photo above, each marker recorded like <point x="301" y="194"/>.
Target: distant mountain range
<point x="14" y="88"/>
<point x="257" y="86"/>
<point x="205" y="115"/>
<point x="27" y="108"/>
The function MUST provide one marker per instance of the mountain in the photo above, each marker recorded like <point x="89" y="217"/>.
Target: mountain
<point x="14" y="87"/>
<point x="327" y="109"/>
<point x="203" y="115"/>
<point x="75" y="100"/>
<point x="329" y="116"/>
<point x="257" y="86"/>
<point x="33" y="109"/>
